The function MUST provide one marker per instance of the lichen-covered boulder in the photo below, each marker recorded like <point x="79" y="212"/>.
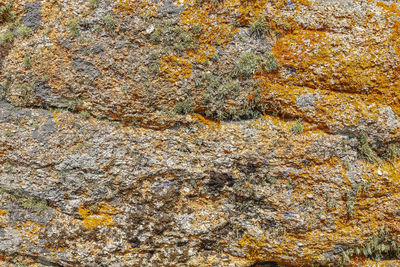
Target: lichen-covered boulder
<point x="199" y="133"/>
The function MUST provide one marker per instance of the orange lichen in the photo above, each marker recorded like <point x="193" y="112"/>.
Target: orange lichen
<point x="218" y="30"/>
<point x="175" y="68"/>
<point x="3" y="220"/>
<point x="215" y="30"/>
<point x="211" y="123"/>
<point x="30" y="231"/>
<point x="100" y="217"/>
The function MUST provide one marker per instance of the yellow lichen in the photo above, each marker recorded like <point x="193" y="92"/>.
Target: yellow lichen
<point x="102" y="216"/>
<point x="252" y="247"/>
<point x="175" y="68"/>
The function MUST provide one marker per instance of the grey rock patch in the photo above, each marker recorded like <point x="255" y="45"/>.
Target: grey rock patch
<point x="79" y="161"/>
<point x="66" y="44"/>
<point x="398" y="213"/>
<point x="305" y="101"/>
<point x="45" y="131"/>
<point x="33" y="16"/>
<point x="82" y="66"/>
<point x="150" y="29"/>
<point x="97" y="49"/>
<point x="10" y="239"/>
<point x="42" y="90"/>
<point x="169" y="9"/>
<point x="340" y="248"/>
<point x="387" y="112"/>
<point x="122" y="44"/>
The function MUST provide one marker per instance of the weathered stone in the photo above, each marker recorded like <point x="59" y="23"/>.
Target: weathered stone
<point x="169" y="8"/>
<point x="42" y="90"/>
<point x="10" y="239"/>
<point x="33" y="16"/>
<point x="114" y="176"/>
<point x="305" y="101"/>
<point x="81" y="66"/>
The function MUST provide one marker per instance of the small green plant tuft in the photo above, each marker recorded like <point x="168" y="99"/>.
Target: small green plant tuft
<point x="258" y="28"/>
<point x="184" y="107"/>
<point x="269" y="62"/>
<point x="6" y="37"/>
<point x="97" y="28"/>
<point x="365" y="150"/>
<point x="196" y="29"/>
<point x="226" y="98"/>
<point x="331" y="203"/>
<point x="155" y="37"/>
<point x="378" y="247"/>
<point x="73" y="26"/>
<point x="94" y="208"/>
<point x="392" y="152"/>
<point x="94" y="4"/>
<point x="85" y="114"/>
<point x="35" y="204"/>
<point x="5" y="11"/>
<point x="350" y="197"/>
<point x="24" y="31"/>
<point x="297" y="127"/>
<point x="248" y="64"/>
<point x="27" y="62"/>
<point x="109" y="22"/>
<point x="174" y="38"/>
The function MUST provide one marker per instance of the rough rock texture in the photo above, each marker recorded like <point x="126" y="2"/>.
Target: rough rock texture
<point x="199" y="133"/>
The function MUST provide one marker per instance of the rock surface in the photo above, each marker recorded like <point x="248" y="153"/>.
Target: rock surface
<point x="199" y="133"/>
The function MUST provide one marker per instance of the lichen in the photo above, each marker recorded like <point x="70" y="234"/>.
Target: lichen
<point x="252" y="247"/>
<point x="103" y="216"/>
<point x="175" y="68"/>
